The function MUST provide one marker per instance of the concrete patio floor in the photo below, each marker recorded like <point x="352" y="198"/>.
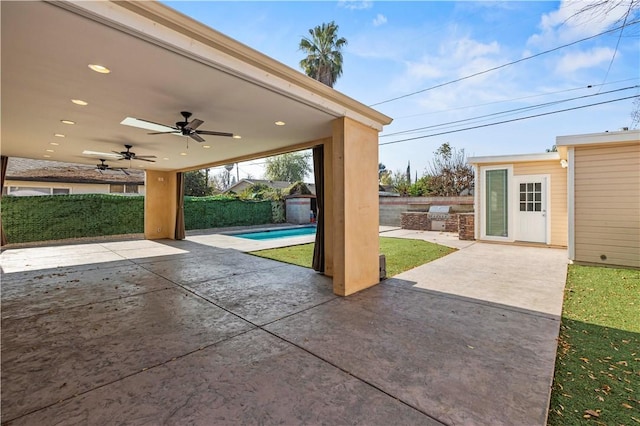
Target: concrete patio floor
<point x="186" y="332"/>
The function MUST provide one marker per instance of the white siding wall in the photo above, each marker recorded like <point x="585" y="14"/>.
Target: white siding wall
<point x="76" y="188"/>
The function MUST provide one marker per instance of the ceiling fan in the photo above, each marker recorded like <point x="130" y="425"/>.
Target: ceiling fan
<point x="104" y="166"/>
<point x="187" y="128"/>
<point x="123" y="155"/>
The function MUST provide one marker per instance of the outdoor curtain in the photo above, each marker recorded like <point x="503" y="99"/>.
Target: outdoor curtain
<point x="318" y="171"/>
<point x="5" y="162"/>
<point x="180" y="234"/>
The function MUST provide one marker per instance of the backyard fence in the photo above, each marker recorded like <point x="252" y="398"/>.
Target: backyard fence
<point x="56" y="217"/>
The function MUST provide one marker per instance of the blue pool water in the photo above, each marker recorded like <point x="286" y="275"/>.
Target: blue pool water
<point x="278" y="233"/>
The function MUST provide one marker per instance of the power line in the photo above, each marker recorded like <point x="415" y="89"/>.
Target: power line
<point x="589" y="86"/>
<point x="546" y="104"/>
<point x="506" y="121"/>
<point x="613" y="57"/>
<point x="503" y="65"/>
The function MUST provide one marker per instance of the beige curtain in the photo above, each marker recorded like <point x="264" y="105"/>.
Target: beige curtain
<point x="318" y="171"/>
<point x="180" y="233"/>
<point x="5" y="162"/>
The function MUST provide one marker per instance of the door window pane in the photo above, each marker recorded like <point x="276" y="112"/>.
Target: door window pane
<point x="532" y="194"/>
<point x="497" y="203"/>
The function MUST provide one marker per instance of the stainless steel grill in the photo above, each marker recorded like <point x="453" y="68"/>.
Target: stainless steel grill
<point x="438" y="216"/>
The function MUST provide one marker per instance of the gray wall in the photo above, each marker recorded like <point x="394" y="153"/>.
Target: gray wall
<point x="391" y="208"/>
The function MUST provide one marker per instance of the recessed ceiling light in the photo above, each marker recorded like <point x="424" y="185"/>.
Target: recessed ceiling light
<point x="165" y="158"/>
<point x="46" y="156"/>
<point x="80" y="102"/>
<point x="280" y="123"/>
<point x="237" y="137"/>
<point x="49" y="150"/>
<point x="206" y="146"/>
<point x="99" y="68"/>
<point x="67" y="122"/>
<point x="54" y="143"/>
<point x="183" y="153"/>
<point x="58" y="135"/>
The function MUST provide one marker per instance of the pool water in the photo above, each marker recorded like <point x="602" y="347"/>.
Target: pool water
<point x="278" y="233"/>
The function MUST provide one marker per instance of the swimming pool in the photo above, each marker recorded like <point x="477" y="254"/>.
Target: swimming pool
<point x="278" y="233"/>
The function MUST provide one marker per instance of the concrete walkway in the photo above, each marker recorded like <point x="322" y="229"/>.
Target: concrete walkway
<point x="183" y="332"/>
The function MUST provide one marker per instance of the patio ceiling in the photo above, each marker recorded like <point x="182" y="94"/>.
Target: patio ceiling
<point x="161" y="63"/>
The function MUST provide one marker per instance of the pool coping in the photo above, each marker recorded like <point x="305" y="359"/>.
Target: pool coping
<point x="235" y="233"/>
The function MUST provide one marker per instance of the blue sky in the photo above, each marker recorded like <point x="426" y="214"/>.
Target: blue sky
<point x="397" y="48"/>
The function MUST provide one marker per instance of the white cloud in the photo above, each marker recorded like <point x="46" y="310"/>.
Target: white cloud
<point x="380" y="19"/>
<point x="566" y="24"/>
<point x="575" y="61"/>
<point x="452" y="59"/>
<point x="355" y="4"/>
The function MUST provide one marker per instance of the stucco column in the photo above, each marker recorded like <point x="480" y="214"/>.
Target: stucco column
<point x="160" y="205"/>
<point x="354" y="218"/>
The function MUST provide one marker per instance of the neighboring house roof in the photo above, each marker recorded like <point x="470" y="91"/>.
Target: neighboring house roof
<point x="24" y="169"/>
<point x="275" y="184"/>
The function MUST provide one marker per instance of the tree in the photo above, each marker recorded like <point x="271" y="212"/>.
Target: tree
<point x="420" y="187"/>
<point x="324" y="57"/>
<point x="384" y="175"/>
<point x="291" y="167"/>
<point x="409" y="172"/>
<point x="601" y="8"/>
<point x="635" y="114"/>
<point x="196" y="184"/>
<point x="449" y="172"/>
<point x="400" y="183"/>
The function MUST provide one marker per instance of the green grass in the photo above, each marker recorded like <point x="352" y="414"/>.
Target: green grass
<point x="402" y="254"/>
<point x="597" y="376"/>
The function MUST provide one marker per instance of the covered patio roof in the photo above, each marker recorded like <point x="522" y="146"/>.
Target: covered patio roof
<point x="161" y="63"/>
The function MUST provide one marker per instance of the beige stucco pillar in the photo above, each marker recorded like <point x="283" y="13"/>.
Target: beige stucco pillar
<point x="352" y="198"/>
<point x="160" y="205"/>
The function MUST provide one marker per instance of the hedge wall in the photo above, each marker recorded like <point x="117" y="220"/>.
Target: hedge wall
<point x="54" y="217"/>
<point x="212" y="212"/>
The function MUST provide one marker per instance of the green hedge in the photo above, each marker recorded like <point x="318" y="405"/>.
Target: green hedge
<point x="213" y="212"/>
<point x="54" y="217"/>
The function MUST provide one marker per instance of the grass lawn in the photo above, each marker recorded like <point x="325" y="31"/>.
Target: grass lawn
<point x="402" y="254"/>
<point x="597" y="373"/>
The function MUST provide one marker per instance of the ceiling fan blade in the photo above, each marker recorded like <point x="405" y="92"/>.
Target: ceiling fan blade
<point x="146" y="124"/>
<point x="142" y="159"/>
<point x="145" y="156"/>
<point x="165" y="133"/>
<point x="195" y="137"/>
<point x="194" y="124"/>
<point x="207" y="132"/>
<point x="99" y="154"/>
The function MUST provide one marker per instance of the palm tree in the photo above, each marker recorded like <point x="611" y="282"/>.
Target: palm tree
<point x="324" y="58"/>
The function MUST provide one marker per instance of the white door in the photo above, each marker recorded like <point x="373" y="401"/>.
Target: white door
<point x="531" y="211"/>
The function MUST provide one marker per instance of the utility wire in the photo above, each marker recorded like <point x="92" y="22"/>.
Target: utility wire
<point x="506" y="121"/>
<point x="546" y="104"/>
<point x="617" y="46"/>
<point x="503" y="65"/>
<point x="589" y="86"/>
